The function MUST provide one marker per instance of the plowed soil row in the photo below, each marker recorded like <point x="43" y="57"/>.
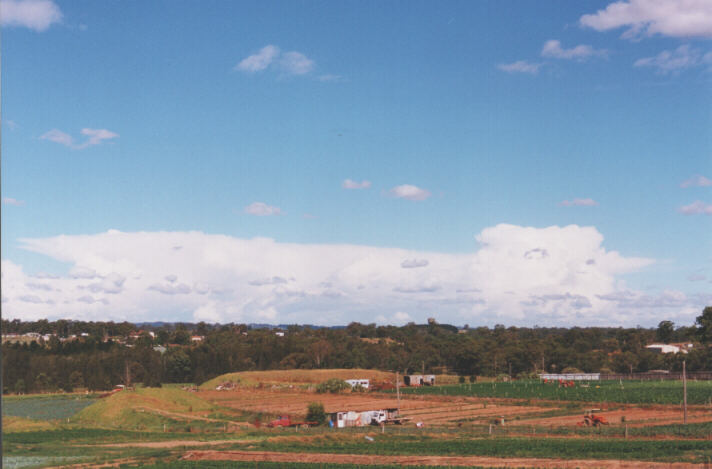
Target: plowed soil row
<point x="442" y="410"/>
<point x="426" y="460"/>
<point x="634" y="417"/>
<point x="434" y="410"/>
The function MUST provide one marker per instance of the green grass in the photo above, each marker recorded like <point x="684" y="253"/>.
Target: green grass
<point x="46" y="407"/>
<point x="141" y="409"/>
<point x="629" y="392"/>
<point x="667" y="450"/>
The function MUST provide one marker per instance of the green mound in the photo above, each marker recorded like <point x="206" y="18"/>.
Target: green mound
<point x="143" y="408"/>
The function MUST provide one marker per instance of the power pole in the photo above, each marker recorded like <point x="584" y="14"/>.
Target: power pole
<point x="128" y="376"/>
<point x="684" y="393"/>
<point x="398" y="392"/>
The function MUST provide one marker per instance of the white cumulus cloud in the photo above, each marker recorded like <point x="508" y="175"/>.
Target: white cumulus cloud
<point x="696" y="181"/>
<point x="296" y="63"/>
<point x="696" y="208"/>
<point x="578" y="203"/>
<point x="94" y="137"/>
<point x="553" y="49"/>
<point x="270" y="56"/>
<point x="520" y="66"/>
<point x="259" y="61"/>
<point x="11" y="201"/>
<point x="261" y="209"/>
<point x="349" y="184"/>
<point x="38" y="15"/>
<point x="409" y="192"/>
<point x="676" y="60"/>
<point x="675" y="18"/>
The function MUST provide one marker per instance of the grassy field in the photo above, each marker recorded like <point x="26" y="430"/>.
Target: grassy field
<point x="45" y="406"/>
<point x="630" y="392"/>
<point x="306" y="377"/>
<point x="144" y="408"/>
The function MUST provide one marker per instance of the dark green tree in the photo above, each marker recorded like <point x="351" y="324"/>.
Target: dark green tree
<point x="704" y="326"/>
<point x="316" y="413"/>
<point x="665" y="331"/>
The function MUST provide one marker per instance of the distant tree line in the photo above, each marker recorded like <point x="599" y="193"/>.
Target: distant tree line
<point x="99" y="361"/>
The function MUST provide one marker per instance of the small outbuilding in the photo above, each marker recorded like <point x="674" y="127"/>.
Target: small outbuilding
<point x="419" y="380"/>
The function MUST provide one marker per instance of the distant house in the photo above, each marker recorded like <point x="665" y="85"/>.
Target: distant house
<point x="669" y="348"/>
<point x="279" y="334"/>
<point x="196" y="338"/>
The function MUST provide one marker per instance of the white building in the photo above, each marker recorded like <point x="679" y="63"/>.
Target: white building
<point x="669" y="348"/>
<point x="364" y="383"/>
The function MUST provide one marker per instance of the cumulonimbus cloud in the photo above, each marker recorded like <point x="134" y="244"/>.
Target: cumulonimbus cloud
<point x="517" y="275"/>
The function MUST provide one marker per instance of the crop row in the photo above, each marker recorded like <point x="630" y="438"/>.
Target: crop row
<point x="629" y="392"/>
<point x="666" y="450"/>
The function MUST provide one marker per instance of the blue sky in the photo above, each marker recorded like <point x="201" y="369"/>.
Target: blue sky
<point x="244" y="119"/>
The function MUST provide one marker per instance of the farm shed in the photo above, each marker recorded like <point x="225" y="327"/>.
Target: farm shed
<point x="419" y="380"/>
<point x="570" y="376"/>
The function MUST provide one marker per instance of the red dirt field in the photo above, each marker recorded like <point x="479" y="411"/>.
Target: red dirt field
<point x="634" y="416"/>
<point x="442" y="410"/>
<point x="431" y="410"/>
<point x="427" y="460"/>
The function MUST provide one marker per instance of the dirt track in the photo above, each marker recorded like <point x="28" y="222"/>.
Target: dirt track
<point x="426" y="460"/>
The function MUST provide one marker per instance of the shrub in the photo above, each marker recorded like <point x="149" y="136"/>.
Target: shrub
<point x="461" y="379"/>
<point x="316" y="413"/>
<point x="472" y="378"/>
<point x="333" y="385"/>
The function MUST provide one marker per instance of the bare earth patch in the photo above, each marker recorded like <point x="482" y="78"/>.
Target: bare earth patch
<point x="270" y="456"/>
